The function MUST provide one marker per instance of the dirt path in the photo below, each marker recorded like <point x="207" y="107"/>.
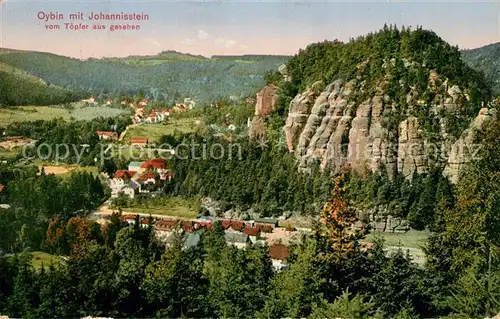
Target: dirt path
<point x="56" y="170"/>
<point x="122" y="135"/>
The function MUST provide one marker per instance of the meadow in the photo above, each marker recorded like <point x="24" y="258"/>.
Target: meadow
<point x="155" y="132"/>
<point x="167" y="205"/>
<point x="32" y="113"/>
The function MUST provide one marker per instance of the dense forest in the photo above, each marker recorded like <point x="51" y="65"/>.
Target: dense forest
<point x="167" y="77"/>
<point x="79" y="143"/>
<point x="487" y="60"/>
<point x="123" y="271"/>
<point x="19" y="88"/>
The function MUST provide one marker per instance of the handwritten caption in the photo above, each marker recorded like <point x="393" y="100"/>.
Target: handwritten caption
<point x="95" y="21"/>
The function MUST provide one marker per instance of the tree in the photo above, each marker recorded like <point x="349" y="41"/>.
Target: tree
<point x="339" y="220"/>
<point x="347" y="306"/>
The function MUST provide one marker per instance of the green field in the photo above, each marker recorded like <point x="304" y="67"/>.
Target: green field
<point x="41" y="259"/>
<point x="33" y="113"/>
<point x="155" y="131"/>
<point x="410" y="239"/>
<point x="168" y="206"/>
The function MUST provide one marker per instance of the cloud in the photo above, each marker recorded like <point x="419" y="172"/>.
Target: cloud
<point x="225" y="42"/>
<point x="202" y="35"/>
<point x="150" y="41"/>
<point x="187" y="41"/>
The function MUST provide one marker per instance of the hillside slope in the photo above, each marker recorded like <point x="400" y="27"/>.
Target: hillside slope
<point x="17" y="87"/>
<point x="395" y="99"/>
<point x="169" y="76"/>
<point x="487" y="60"/>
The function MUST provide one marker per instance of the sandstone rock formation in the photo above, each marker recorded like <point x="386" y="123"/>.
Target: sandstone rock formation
<point x="336" y="129"/>
<point x="465" y="149"/>
<point x="266" y="100"/>
<point x="283" y="70"/>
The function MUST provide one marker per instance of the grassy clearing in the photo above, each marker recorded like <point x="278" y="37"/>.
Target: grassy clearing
<point x="41" y="259"/>
<point x="63" y="170"/>
<point x="75" y="169"/>
<point x="33" y="113"/>
<point x="168" y="206"/>
<point x="411" y="239"/>
<point x="155" y="131"/>
<point x="8" y="154"/>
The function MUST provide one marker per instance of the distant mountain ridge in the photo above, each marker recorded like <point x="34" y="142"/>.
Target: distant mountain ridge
<point x="168" y="76"/>
<point x="487" y="60"/>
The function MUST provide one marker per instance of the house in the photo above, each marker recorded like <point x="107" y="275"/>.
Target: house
<point x="123" y="182"/>
<point x="151" y="118"/>
<point x="237" y="239"/>
<point x="206" y="219"/>
<point x="279" y="254"/>
<point x="137" y="118"/>
<point x="130" y="219"/>
<point x="165" y="227"/>
<point x="139" y="141"/>
<point x="90" y="100"/>
<point x="148" y="177"/>
<point x="266" y="221"/>
<point x="252" y="232"/>
<point x="187" y="239"/>
<point x="135" y="166"/>
<point x="124" y="175"/>
<point x="158" y="165"/>
<point x="107" y="135"/>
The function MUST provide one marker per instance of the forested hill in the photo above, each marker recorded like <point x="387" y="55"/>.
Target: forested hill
<point x="486" y="59"/>
<point x="413" y="52"/>
<point x="388" y="90"/>
<point x="17" y="87"/>
<point x="169" y="76"/>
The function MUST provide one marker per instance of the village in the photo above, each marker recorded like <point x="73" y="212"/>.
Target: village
<point x="146" y="179"/>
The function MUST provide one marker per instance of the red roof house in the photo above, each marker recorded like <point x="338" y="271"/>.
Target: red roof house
<point x="237" y="225"/>
<point x="124" y="174"/>
<point x="107" y="135"/>
<point x="279" y="252"/>
<point x="225" y="223"/>
<point x="251" y="231"/>
<point x="147" y="175"/>
<point x="157" y="163"/>
<point x="166" y="224"/>
<point x="188" y="226"/>
<point x="138" y="141"/>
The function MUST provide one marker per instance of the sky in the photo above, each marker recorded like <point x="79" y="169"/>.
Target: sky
<point x="212" y="27"/>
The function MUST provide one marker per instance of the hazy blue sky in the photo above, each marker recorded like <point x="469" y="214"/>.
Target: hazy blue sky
<point x="235" y="27"/>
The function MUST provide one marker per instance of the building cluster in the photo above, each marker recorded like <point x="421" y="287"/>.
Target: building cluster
<point x="141" y="177"/>
<point x="237" y="233"/>
<point x="153" y="116"/>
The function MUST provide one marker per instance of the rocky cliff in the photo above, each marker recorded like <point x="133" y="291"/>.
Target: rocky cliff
<point x="337" y="129"/>
<point x="266" y="101"/>
<point x="465" y="149"/>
